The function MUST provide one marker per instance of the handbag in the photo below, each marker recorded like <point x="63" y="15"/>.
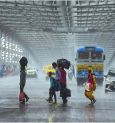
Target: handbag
<point x="68" y="92"/>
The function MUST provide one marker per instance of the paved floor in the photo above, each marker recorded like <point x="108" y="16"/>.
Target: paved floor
<point x="38" y="110"/>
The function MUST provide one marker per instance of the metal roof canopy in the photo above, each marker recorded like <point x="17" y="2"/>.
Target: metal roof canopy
<point x="53" y="29"/>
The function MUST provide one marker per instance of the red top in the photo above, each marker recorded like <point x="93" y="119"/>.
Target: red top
<point x="62" y="78"/>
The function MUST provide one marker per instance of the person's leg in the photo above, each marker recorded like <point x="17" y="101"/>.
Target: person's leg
<point x="22" y="81"/>
<point x="21" y="88"/>
<point x="90" y="96"/>
<point x="50" y="95"/>
<point x="64" y="97"/>
<point x="63" y="91"/>
<point x="26" y="96"/>
<point x="22" y="84"/>
<point x="22" y="94"/>
<point x="54" y="94"/>
<point x="93" y="100"/>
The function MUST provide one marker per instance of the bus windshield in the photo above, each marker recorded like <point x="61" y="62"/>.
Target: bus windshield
<point x="96" y="55"/>
<point x="83" y="55"/>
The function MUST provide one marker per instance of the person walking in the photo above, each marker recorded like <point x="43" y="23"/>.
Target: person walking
<point x="90" y="86"/>
<point x="63" y="83"/>
<point x="52" y="90"/>
<point x="54" y="83"/>
<point x="23" y="64"/>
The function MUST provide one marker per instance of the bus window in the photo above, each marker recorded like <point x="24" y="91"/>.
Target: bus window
<point x="96" y="55"/>
<point x="83" y="55"/>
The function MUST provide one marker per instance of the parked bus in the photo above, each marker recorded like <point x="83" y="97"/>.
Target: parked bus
<point x="89" y="57"/>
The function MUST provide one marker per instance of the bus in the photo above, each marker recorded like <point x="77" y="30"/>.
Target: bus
<point x="89" y="57"/>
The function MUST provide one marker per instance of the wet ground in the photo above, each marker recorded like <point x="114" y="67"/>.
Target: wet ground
<point x="38" y="110"/>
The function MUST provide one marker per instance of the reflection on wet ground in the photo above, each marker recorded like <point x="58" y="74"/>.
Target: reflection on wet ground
<point x="38" y="110"/>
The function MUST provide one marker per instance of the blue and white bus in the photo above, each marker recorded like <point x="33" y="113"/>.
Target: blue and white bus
<point x="89" y="57"/>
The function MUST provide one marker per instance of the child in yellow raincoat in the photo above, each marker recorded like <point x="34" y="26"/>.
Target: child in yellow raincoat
<point x="90" y="86"/>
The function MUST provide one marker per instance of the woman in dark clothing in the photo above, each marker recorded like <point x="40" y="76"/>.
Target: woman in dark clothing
<point x="23" y="64"/>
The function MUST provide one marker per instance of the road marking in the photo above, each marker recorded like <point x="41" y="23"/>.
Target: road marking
<point x="52" y="115"/>
<point x="50" y="119"/>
